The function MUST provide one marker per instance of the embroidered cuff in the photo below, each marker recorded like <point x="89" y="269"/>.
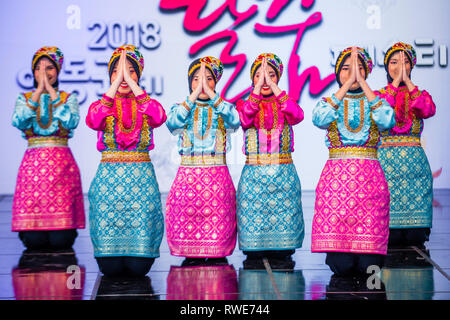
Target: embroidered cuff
<point x="57" y="102"/>
<point x="107" y="101"/>
<point x="217" y="103"/>
<point x="142" y="98"/>
<point x="188" y="104"/>
<point x="185" y="105"/>
<point x="415" y="93"/>
<point x="254" y="98"/>
<point x="32" y="105"/>
<point x="333" y="101"/>
<point x="282" y="97"/>
<point x="375" y="103"/>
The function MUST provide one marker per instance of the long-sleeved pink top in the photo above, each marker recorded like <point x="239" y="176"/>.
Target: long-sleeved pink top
<point x="267" y="124"/>
<point x="126" y="122"/>
<point x="410" y="109"/>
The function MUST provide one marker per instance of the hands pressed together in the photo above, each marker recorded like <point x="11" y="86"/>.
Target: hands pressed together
<point x="202" y="86"/>
<point x="402" y="75"/>
<point x="264" y="79"/>
<point x="43" y="83"/>
<point x="355" y="77"/>
<point x="123" y="79"/>
<point x="355" y="74"/>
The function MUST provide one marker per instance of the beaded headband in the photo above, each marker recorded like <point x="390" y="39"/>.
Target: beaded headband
<point x="272" y="59"/>
<point x="362" y="53"/>
<point x="131" y="52"/>
<point x="53" y="53"/>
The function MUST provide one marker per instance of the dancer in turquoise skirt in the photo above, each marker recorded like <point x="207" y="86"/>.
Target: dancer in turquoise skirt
<point x="125" y="212"/>
<point x="401" y="155"/>
<point x="269" y="206"/>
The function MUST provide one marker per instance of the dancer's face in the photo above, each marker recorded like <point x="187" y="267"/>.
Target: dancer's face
<point x="266" y="90"/>
<point x="209" y="80"/>
<point x="124" y="88"/>
<point x="50" y="71"/>
<point x="395" y="65"/>
<point x="346" y="71"/>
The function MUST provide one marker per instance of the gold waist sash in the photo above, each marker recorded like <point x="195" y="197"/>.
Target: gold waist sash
<point x="268" y="159"/>
<point x="125" y="156"/>
<point x="42" y="142"/>
<point x="203" y="160"/>
<point x="399" y="141"/>
<point x="353" y="153"/>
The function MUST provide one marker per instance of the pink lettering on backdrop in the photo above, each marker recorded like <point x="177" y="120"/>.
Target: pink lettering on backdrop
<point x="193" y="23"/>
<point x="275" y="8"/>
<point x="307" y="3"/>
<point x="278" y="5"/>
<point x="297" y="82"/>
<point x="226" y="57"/>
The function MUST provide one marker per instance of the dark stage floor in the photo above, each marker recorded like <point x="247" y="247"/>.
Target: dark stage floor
<point x="412" y="274"/>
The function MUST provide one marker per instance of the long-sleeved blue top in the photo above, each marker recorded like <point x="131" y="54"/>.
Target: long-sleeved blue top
<point x="46" y="118"/>
<point x="203" y="126"/>
<point x="354" y="121"/>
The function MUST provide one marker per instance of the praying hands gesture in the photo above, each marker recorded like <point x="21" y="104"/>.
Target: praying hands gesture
<point x="43" y="82"/>
<point x="203" y="84"/>
<point x="356" y="77"/>
<point x="402" y="75"/>
<point x="124" y="78"/>
<point x="266" y="80"/>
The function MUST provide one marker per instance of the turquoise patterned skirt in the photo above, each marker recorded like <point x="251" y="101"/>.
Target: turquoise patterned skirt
<point x="410" y="184"/>
<point x="269" y="208"/>
<point x="258" y="285"/>
<point x="419" y="282"/>
<point x="125" y="212"/>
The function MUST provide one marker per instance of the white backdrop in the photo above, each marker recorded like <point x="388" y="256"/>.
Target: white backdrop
<point x="87" y="32"/>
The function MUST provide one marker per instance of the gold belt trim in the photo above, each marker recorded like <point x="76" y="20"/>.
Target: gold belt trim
<point x="41" y="142"/>
<point x="353" y="153"/>
<point x="125" y="156"/>
<point x="405" y="141"/>
<point x="268" y="159"/>
<point x="204" y="160"/>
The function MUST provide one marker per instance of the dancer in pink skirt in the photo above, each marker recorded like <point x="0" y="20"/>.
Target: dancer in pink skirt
<point x="48" y="201"/>
<point x="201" y="205"/>
<point x="202" y="282"/>
<point x="351" y="218"/>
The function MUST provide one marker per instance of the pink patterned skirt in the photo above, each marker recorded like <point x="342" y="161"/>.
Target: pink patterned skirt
<point x="48" y="192"/>
<point x="352" y="208"/>
<point x="53" y="284"/>
<point x="201" y="213"/>
<point x="202" y="283"/>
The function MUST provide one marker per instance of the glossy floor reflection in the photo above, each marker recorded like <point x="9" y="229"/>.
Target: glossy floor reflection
<point x="409" y="274"/>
